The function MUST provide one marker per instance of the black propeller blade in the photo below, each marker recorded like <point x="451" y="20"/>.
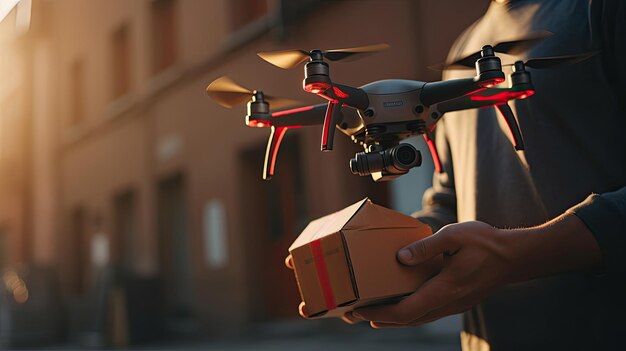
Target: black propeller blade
<point x="513" y="47"/>
<point x="556" y="61"/>
<point x="228" y="94"/>
<point x="551" y="61"/>
<point x="287" y="59"/>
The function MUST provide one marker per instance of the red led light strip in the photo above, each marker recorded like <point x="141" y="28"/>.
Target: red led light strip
<point x="433" y="153"/>
<point x="339" y="93"/>
<point x="503" y="96"/>
<point x="292" y="111"/>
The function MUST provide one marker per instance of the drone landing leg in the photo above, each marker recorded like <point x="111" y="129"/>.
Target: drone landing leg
<point x="333" y="116"/>
<point x="273" y="144"/>
<point x="511" y="122"/>
<point x="433" y="152"/>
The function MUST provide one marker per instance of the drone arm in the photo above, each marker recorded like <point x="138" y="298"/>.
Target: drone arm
<point x="354" y="97"/>
<point x="301" y="116"/>
<point x="498" y="99"/>
<point x="435" y="92"/>
<point x="511" y="122"/>
<point x="460" y="103"/>
<point x="485" y="98"/>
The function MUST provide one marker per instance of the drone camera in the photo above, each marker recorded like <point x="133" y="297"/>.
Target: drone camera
<point x="391" y="163"/>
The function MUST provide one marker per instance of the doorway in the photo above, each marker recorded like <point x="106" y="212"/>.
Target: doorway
<point x="174" y="251"/>
<point x="275" y="212"/>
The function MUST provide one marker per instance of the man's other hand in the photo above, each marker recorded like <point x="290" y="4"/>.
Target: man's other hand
<point x="475" y="262"/>
<point x="478" y="259"/>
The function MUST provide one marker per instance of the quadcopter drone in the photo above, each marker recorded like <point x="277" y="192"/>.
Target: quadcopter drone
<point x="380" y="114"/>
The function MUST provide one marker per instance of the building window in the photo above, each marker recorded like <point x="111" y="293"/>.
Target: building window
<point x="163" y="29"/>
<point x="244" y="12"/>
<point x="77" y="92"/>
<point x="121" y="61"/>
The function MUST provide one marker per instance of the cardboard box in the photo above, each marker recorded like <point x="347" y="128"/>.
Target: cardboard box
<point x="348" y="259"/>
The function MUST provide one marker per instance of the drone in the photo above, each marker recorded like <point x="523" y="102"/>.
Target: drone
<point x="380" y="114"/>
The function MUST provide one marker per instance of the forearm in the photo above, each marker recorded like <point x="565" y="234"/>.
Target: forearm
<point x="564" y="244"/>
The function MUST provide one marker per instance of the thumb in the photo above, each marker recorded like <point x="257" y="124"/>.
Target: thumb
<point x="425" y="249"/>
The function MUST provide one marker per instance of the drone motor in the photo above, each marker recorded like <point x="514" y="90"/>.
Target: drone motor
<point x="258" y="111"/>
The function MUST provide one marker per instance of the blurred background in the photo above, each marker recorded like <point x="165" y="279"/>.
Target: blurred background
<point x="132" y="209"/>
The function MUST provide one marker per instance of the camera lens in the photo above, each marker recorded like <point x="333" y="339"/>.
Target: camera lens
<point x="406" y="155"/>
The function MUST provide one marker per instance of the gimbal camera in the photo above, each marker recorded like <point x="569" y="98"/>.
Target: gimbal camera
<point x="379" y="115"/>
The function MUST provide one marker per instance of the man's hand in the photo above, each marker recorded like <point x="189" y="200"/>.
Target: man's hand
<point x="475" y="263"/>
<point x="479" y="259"/>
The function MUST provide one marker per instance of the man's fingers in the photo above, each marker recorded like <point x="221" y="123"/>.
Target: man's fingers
<point x="427" y="318"/>
<point x="289" y="262"/>
<point x="350" y="319"/>
<point x="427" y="248"/>
<point x="377" y="325"/>
<point x="417" y="323"/>
<point x="434" y="294"/>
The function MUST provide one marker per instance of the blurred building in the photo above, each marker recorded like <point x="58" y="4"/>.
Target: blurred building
<point x="143" y="196"/>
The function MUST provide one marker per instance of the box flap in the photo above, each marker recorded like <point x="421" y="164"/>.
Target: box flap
<point x="327" y="225"/>
<point x="376" y="270"/>
<point x="371" y="216"/>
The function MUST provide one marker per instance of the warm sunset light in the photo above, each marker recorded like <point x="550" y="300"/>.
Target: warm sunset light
<point x="291" y="175"/>
<point x="123" y="187"/>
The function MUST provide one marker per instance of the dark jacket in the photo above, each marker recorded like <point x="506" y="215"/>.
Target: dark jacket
<point x="574" y="129"/>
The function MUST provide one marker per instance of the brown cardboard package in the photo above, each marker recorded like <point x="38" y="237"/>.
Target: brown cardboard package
<point x="348" y="259"/>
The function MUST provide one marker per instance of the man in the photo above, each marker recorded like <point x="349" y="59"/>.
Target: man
<point x="575" y="146"/>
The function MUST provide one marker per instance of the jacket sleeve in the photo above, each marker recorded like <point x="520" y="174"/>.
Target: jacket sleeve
<point x="605" y="216"/>
<point x="439" y="201"/>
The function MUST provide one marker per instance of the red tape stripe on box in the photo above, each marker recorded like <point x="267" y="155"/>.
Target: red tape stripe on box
<point x="322" y="274"/>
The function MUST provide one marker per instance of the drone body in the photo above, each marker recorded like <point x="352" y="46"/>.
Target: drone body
<point x="380" y="114"/>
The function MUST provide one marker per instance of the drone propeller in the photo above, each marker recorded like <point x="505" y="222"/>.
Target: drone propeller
<point x="556" y="61"/>
<point x="228" y="94"/>
<point x="549" y="62"/>
<point x="287" y="59"/>
<point x="513" y="47"/>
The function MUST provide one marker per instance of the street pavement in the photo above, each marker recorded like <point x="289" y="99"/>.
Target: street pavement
<point x="325" y="335"/>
